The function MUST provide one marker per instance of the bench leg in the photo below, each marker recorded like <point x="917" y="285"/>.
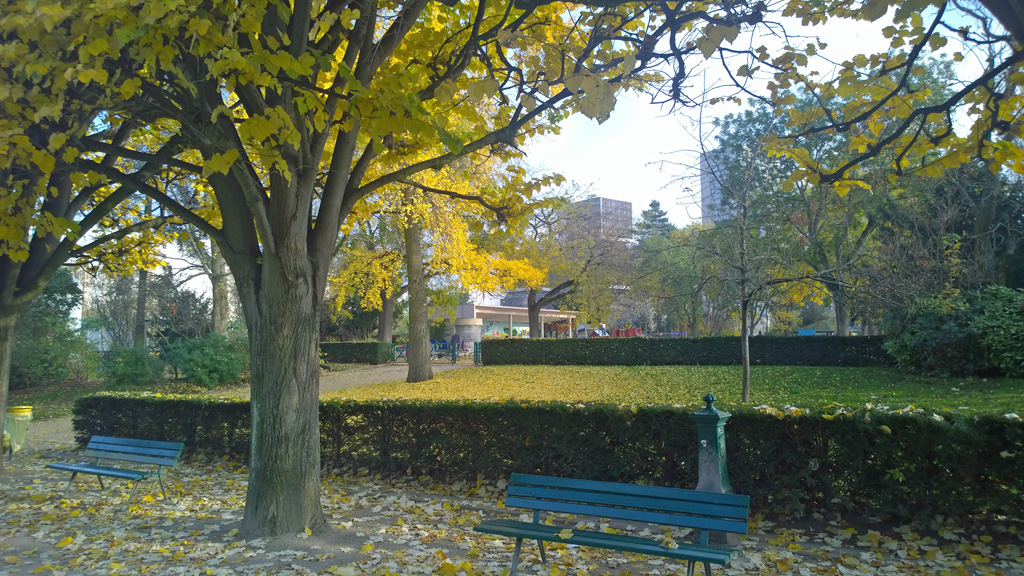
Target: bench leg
<point x="68" y="485"/>
<point x="543" y="555"/>
<point x="135" y="486"/>
<point x="515" y="556"/>
<point x="691" y="568"/>
<point x="100" y="478"/>
<point x="163" y="490"/>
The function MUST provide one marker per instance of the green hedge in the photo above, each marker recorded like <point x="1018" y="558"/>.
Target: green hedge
<point x="356" y="352"/>
<point x="712" y="351"/>
<point x="891" y="465"/>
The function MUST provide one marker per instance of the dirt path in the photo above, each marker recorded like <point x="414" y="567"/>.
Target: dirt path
<point x="355" y="375"/>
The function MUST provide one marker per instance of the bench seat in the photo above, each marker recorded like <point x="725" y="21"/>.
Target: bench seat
<point x="702" y="512"/>
<point x="100" y="470"/>
<point x="621" y="542"/>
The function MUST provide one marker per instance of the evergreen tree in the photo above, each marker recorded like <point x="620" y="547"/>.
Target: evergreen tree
<point x="654" y="222"/>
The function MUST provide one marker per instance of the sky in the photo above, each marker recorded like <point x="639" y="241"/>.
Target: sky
<point x="643" y="153"/>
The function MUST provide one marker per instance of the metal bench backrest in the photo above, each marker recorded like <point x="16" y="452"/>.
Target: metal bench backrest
<point x="131" y="450"/>
<point x="651" y="504"/>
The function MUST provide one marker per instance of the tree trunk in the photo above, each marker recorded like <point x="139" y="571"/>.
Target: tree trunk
<point x="533" y="314"/>
<point x="386" y="318"/>
<point x="219" y="291"/>
<point x="842" y="318"/>
<point x="745" y="347"/>
<point x="842" y="311"/>
<point x="281" y="310"/>
<point x="1010" y="14"/>
<point x="8" y="329"/>
<point x="139" y="333"/>
<point x="419" y="320"/>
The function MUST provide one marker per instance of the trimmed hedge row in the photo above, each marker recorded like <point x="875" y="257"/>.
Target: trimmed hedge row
<point x="356" y="352"/>
<point x="898" y="466"/>
<point x="711" y="351"/>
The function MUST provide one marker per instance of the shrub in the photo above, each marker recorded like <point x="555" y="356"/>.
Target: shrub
<point x="209" y="361"/>
<point x="1000" y="322"/>
<point x="978" y="333"/>
<point x="895" y="465"/>
<point x="356" y="352"/>
<point x="716" y="351"/>
<point x="47" y="349"/>
<point x="132" y="367"/>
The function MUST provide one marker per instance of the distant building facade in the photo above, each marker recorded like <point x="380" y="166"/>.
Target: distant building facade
<point x="519" y="298"/>
<point x="608" y="218"/>
<point x="713" y="207"/>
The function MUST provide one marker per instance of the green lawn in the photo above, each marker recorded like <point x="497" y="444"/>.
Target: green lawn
<point x="55" y="400"/>
<point x="777" y="386"/>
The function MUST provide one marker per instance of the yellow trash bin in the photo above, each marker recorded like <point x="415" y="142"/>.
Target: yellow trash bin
<point x="16" y="426"/>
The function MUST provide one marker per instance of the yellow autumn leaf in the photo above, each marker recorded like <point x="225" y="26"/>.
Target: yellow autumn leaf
<point x="64" y="542"/>
<point x="57" y="139"/>
<point x="11" y="559"/>
<point x="566" y="534"/>
<point x="220" y="163"/>
<point x="366" y="548"/>
<point x="97" y="75"/>
<point x="232" y="533"/>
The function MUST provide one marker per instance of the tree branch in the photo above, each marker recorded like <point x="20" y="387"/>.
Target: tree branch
<point x="500" y="211"/>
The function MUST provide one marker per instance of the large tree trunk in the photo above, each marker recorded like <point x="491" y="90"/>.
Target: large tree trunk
<point x="219" y="289"/>
<point x="419" y="320"/>
<point x="8" y="328"/>
<point x="283" y="496"/>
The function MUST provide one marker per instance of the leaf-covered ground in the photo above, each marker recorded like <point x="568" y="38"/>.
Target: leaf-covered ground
<point x="418" y="526"/>
<point x="777" y="386"/>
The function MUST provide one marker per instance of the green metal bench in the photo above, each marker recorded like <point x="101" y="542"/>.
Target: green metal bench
<point x="701" y="511"/>
<point x="148" y="452"/>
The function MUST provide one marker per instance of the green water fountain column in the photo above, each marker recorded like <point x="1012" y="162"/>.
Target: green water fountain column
<point x="712" y="472"/>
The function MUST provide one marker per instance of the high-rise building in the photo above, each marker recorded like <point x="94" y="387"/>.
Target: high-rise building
<point x="608" y="218"/>
<point x="713" y="207"/>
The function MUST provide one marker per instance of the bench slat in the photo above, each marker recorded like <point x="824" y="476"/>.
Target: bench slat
<point x="681" y="503"/>
<point x="623" y="542"/>
<point x="100" y="470"/>
<point x="116" y="449"/>
<point x="632" y="489"/>
<point x="126" y="457"/>
<point x="734" y="526"/>
<point x="132" y="446"/>
<point x="137" y="442"/>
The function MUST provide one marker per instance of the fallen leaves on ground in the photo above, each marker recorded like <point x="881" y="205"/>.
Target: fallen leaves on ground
<point x="411" y="526"/>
